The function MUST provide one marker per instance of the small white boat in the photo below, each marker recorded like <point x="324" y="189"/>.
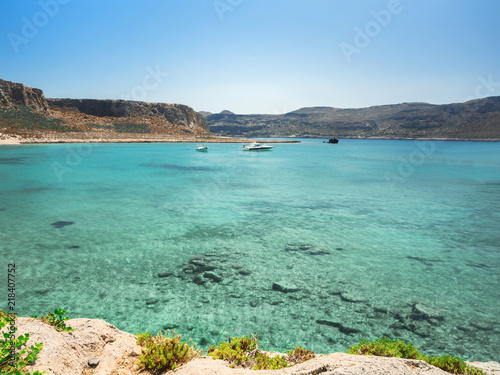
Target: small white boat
<point x="202" y="148"/>
<point x="256" y="147"/>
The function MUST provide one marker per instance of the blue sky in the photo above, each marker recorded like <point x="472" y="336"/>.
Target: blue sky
<point x="254" y="56"/>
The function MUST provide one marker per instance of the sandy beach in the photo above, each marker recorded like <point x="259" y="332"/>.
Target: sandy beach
<point x="100" y="137"/>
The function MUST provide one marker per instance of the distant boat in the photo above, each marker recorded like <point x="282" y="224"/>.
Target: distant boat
<point x="202" y="148"/>
<point x="256" y="147"/>
<point x="332" y="140"/>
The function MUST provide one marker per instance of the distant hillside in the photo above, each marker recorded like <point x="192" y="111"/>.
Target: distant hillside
<point x="25" y="112"/>
<point x="476" y="119"/>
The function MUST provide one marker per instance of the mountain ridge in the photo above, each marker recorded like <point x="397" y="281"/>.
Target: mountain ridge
<point x="478" y="119"/>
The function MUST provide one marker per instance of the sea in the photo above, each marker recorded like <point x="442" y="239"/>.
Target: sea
<point x="311" y="244"/>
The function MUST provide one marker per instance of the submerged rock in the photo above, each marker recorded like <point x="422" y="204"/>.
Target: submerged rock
<point x="198" y="280"/>
<point x="212" y="276"/>
<point x="339" y="326"/>
<point x="60" y="224"/>
<point x="319" y="252"/>
<point x="166" y="274"/>
<point x="285" y="288"/>
<point x="482" y="325"/>
<point x="424" y="312"/>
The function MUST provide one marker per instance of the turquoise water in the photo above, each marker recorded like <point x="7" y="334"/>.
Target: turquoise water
<point x="308" y="244"/>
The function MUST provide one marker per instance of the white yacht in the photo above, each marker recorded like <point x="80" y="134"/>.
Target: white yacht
<point x="256" y="147"/>
<point x="202" y="148"/>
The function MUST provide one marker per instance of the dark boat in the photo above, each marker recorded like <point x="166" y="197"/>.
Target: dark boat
<point x="332" y="140"/>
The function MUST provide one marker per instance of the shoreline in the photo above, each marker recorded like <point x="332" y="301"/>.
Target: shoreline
<point x="32" y="141"/>
<point x="92" y="138"/>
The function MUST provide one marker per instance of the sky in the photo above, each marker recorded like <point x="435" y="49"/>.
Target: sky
<point x="254" y="56"/>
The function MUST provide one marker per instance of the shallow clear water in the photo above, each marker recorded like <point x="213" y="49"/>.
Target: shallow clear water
<point x="308" y="244"/>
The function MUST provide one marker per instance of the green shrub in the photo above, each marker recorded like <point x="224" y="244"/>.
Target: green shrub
<point x="386" y="348"/>
<point x="401" y="349"/>
<point x="14" y="353"/>
<point x="131" y="128"/>
<point x="161" y="353"/>
<point x="452" y="364"/>
<point x="245" y="352"/>
<point x="24" y="118"/>
<point x="100" y="126"/>
<point x="235" y="351"/>
<point x="299" y="355"/>
<point x="266" y="362"/>
<point x="56" y="320"/>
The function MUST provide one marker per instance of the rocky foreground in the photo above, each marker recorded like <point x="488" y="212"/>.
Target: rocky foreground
<point x="97" y="347"/>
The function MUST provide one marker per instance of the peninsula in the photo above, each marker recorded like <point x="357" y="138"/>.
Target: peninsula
<point x="27" y="116"/>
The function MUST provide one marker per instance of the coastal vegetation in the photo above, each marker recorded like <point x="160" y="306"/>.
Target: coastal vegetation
<point x="131" y="128"/>
<point x="22" y="118"/>
<point x="401" y="349"/>
<point x="56" y="320"/>
<point x="245" y="352"/>
<point x="15" y="355"/>
<point x="165" y="352"/>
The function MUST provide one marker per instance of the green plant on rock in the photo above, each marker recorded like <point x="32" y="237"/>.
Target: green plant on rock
<point x="56" y="320"/>
<point x="266" y="362"/>
<point x="14" y="353"/>
<point x="386" y="348"/>
<point x="235" y="351"/>
<point x="400" y="349"/>
<point x="299" y="355"/>
<point x="131" y="128"/>
<point x="452" y="364"/>
<point x="245" y="352"/>
<point x="161" y="353"/>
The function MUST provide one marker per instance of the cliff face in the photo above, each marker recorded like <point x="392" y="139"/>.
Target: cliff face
<point x="25" y="112"/>
<point x="476" y="119"/>
<point x="99" y="348"/>
<point x="12" y="93"/>
<point x="176" y="114"/>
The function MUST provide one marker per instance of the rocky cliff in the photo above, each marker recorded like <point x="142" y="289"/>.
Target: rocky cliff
<point x="97" y="347"/>
<point x="476" y="119"/>
<point x="26" y="113"/>
<point x="12" y="94"/>
<point x="175" y="114"/>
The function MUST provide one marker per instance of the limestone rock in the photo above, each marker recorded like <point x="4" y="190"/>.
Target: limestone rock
<point x="176" y="114"/>
<point x="12" y="93"/>
<point x="98" y="343"/>
<point x="491" y="368"/>
<point x="93" y="362"/>
<point x="76" y="352"/>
